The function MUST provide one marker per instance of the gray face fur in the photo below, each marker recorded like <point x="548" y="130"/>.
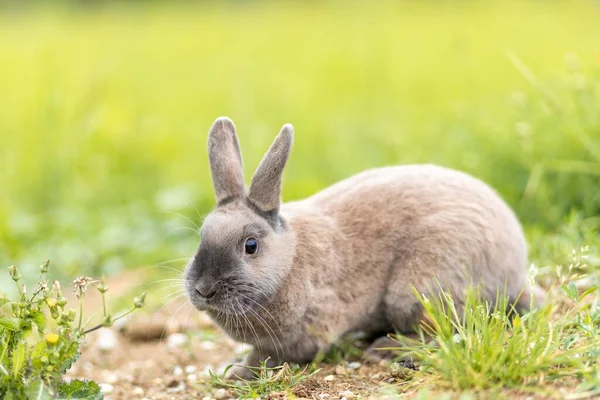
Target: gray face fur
<point x="222" y="277"/>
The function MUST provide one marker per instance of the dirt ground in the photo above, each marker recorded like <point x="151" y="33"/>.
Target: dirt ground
<point x="176" y="365"/>
<point x="168" y="353"/>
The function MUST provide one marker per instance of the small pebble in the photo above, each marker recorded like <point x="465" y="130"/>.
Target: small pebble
<point x="106" y="388"/>
<point x="107" y="339"/>
<point x="329" y="378"/>
<point x="340" y="370"/>
<point x="220" y="394"/>
<point x="190" y="369"/>
<point x="192" y="378"/>
<point x="110" y="377"/>
<point x="323" y="396"/>
<point x="137" y="391"/>
<point x="346" y="393"/>
<point x="176" y="340"/>
<point x="175" y="388"/>
<point x="177" y="371"/>
<point x="343" y="398"/>
<point x="384" y="363"/>
<point x="354" y="365"/>
<point x="207" y="345"/>
<point x="157" y="381"/>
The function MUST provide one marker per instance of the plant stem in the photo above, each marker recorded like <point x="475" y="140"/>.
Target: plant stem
<point x="3" y="353"/>
<point x="95" y="328"/>
<point x="124" y="315"/>
<point x="80" y="310"/>
<point x="103" y="305"/>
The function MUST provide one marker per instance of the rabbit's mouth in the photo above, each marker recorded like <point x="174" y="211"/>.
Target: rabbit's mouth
<point x="226" y="297"/>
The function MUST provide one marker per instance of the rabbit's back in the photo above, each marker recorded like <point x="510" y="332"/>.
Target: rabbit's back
<point x="395" y="228"/>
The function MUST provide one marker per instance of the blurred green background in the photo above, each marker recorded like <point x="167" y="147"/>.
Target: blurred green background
<point x="104" y="111"/>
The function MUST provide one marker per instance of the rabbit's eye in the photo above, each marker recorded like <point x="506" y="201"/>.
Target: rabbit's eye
<point x="251" y="246"/>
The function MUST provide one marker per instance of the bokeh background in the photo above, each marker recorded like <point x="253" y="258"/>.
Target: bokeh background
<point x="105" y="108"/>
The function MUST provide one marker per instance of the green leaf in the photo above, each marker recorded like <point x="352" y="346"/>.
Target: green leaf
<point x="587" y="292"/>
<point x="18" y="359"/>
<point x="571" y="291"/>
<point x="40" y="320"/>
<point x="77" y="389"/>
<point x="11" y="323"/>
<point x="38" y="391"/>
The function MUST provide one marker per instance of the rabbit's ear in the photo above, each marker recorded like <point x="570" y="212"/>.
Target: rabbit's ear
<point x="225" y="161"/>
<point x="265" y="189"/>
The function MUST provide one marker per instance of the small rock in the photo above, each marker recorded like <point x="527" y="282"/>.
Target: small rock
<point x="340" y="370"/>
<point x="106" y="388"/>
<point x="207" y="345"/>
<point x="190" y="369"/>
<point x="220" y="394"/>
<point x="384" y="363"/>
<point x="145" y="327"/>
<point x="346" y="393"/>
<point x="403" y="370"/>
<point x="109" y="377"/>
<point x="391" y="380"/>
<point x="137" y="391"/>
<point x="175" y="386"/>
<point x="343" y="398"/>
<point x="329" y="378"/>
<point x="192" y="378"/>
<point x="176" y="340"/>
<point x="107" y="339"/>
<point x="173" y="383"/>
<point x="323" y="396"/>
<point x="354" y="365"/>
<point x="157" y="381"/>
<point x="177" y="371"/>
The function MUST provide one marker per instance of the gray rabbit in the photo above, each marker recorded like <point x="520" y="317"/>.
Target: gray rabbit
<point x="292" y="278"/>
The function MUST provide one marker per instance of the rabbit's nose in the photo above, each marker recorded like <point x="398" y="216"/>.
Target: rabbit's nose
<point x="206" y="289"/>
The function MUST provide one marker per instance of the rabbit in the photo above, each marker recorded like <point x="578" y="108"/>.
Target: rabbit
<point x="291" y="278"/>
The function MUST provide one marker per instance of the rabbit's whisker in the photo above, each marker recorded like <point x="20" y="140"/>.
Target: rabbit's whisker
<point x="184" y="217"/>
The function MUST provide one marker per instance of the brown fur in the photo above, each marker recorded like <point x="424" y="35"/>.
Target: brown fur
<point x="347" y="258"/>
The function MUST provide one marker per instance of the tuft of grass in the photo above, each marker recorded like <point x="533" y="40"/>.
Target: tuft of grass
<point x="280" y="379"/>
<point x="489" y="347"/>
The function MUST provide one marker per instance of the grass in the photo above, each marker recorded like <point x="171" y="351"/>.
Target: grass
<point x="268" y="381"/>
<point x="104" y="112"/>
<point x="487" y="351"/>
